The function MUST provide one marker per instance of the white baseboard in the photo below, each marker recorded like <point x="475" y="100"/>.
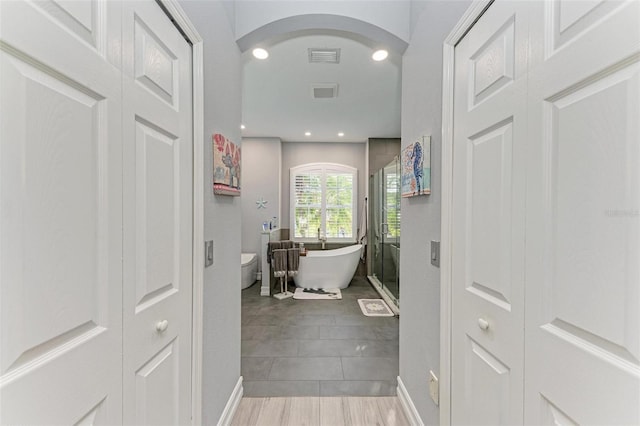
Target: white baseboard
<point x="407" y="404"/>
<point x="232" y="405"/>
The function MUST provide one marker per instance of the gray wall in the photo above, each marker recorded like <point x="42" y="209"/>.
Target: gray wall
<point x="419" y="280"/>
<point x="261" y="166"/>
<point x="222" y="113"/>
<point x="381" y="152"/>
<point x="297" y="153"/>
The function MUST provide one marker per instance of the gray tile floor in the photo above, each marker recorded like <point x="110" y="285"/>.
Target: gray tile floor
<point x="317" y="347"/>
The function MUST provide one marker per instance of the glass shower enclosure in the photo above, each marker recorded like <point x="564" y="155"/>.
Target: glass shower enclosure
<point x="385" y="230"/>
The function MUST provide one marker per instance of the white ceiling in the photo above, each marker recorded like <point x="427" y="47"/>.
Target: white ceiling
<point x="277" y="99"/>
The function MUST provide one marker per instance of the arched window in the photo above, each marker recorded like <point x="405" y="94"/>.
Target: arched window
<point x="323" y="197"/>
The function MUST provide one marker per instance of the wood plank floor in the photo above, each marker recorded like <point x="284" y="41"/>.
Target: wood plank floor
<point x="320" y="411"/>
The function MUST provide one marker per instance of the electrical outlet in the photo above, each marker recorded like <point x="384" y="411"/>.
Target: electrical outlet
<point x="434" y="388"/>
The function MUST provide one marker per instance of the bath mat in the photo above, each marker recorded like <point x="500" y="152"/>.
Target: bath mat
<point x="374" y="308"/>
<point x="317" y="294"/>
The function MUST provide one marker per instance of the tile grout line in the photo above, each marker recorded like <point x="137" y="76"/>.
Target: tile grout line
<point x="344" y="320"/>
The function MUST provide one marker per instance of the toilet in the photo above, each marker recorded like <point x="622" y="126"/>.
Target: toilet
<point x="249" y="269"/>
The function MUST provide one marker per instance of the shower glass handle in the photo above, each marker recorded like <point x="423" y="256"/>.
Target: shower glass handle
<point x="384" y="229"/>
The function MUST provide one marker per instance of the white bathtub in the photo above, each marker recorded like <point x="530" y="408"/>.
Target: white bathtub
<point x="328" y="268"/>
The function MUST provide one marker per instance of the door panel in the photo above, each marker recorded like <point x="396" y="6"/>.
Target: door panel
<point x="489" y="159"/>
<point x="488" y="218"/>
<point x="583" y="245"/>
<point x="492" y="66"/>
<point x="157" y="388"/>
<point x="154" y="63"/>
<point x="604" y="177"/>
<point x="568" y="19"/>
<point x="488" y="386"/>
<point x="78" y="17"/>
<point x="157" y="167"/>
<point x="158" y="178"/>
<point x="61" y="203"/>
<point x="60" y="219"/>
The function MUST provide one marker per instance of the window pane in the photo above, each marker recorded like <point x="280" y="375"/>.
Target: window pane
<point x="323" y="198"/>
<point x="345" y="181"/>
<point x="339" y="190"/>
<point x="307" y="222"/>
<point x="339" y="222"/>
<point x="308" y="190"/>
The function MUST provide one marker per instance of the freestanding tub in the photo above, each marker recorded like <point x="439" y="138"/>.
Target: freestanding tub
<point x="328" y="268"/>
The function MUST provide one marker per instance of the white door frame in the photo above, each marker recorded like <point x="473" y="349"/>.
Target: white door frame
<point x="465" y="23"/>
<point x="181" y="20"/>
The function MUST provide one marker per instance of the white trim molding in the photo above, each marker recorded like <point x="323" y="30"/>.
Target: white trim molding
<point x="407" y="404"/>
<point x="232" y="404"/>
<point x="465" y="23"/>
<point x="181" y="20"/>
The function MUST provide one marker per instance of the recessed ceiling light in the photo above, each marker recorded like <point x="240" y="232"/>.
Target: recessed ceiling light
<point x="380" y="55"/>
<point x="242" y="126"/>
<point x="260" y="53"/>
<point x="341" y="134"/>
<point x="307" y="133"/>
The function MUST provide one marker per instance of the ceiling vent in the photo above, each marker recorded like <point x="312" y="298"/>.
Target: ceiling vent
<point x="324" y="56"/>
<point x="324" y="90"/>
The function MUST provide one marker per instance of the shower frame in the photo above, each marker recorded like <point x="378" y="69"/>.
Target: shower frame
<point x="384" y="232"/>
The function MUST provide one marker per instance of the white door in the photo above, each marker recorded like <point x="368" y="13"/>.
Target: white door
<point x="61" y="214"/>
<point x="490" y="137"/>
<point x="158" y="235"/>
<point x="551" y="125"/>
<point x="583" y="225"/>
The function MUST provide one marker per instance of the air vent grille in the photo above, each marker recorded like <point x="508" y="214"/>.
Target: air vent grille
<point x="324" y="56"/>
<point x="324" y="90"/>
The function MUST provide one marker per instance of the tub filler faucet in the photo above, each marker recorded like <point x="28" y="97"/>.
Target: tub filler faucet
<point x="322" y="239"/>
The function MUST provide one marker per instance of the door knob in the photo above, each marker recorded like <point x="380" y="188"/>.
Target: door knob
<point x="162" y="325"/>
<point x="483" y="324"/>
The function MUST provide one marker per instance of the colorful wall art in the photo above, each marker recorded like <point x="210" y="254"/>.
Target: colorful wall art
<point x="226" y="166"/>
<point x="415" y="162"/>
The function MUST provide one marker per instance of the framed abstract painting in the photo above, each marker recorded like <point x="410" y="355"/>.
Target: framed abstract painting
<point x="226" y="166"/>
<point x="415" y="163"/>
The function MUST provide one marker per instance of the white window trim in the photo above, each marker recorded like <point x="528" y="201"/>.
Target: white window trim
<point x="323" y="168"/>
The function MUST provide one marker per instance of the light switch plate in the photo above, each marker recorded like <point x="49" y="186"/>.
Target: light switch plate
<point x="435" y="253"/>
<point x="208" y="253"/>
<point x="434" y="388"/>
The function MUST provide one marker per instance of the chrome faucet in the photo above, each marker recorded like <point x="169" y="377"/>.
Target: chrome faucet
<point x="322" y="239"/>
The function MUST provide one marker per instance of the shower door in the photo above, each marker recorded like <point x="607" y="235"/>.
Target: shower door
<point x="385" y="194"/>
<point x="391" y="229"/>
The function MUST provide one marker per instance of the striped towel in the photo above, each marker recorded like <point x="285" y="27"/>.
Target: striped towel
<point x="279" y="262"/>
<point x="293" y="255"/>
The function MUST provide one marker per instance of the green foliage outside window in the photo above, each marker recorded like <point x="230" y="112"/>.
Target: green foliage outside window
<point x="339" y="199"/>
<point x="336" y="201"/>
<point x="392" y="204"/>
